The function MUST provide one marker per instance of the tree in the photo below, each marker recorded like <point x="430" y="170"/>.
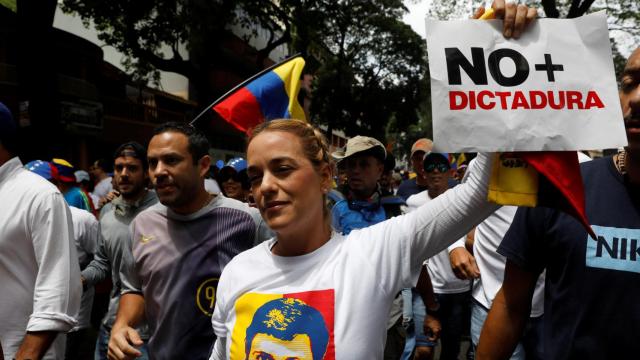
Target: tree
<point x="150" y="34"/>
<point x="373" y="71"/>
<point x="367" y="63"/>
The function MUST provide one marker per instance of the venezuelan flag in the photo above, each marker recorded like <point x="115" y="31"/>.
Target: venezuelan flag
<point x="271" y="94"/>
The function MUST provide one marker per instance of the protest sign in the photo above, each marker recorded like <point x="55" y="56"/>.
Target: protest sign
<point x="554" y="88"/>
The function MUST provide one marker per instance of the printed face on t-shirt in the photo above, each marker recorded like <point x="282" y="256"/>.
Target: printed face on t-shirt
<point x="267" y="347"/>
<point x="294" y="326"/>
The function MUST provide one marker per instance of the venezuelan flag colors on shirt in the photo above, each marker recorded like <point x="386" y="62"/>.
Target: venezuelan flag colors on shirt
<point x="272" y="95"/>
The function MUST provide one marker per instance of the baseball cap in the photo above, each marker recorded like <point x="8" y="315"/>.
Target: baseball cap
<point x="219" y="164"/>
<point x="359" y="144"/>
<point x="43" y="168"/>
<point x="81" y="176"/>
<point x="423" y="144"/>
<point x="65" y="170"/>
<point x="238" y="164"/>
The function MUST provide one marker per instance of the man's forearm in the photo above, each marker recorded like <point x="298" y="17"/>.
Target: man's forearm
<point x="508" y="315"/>
<point x="130" y="310"/>
<point x="35" y="345"/>
<point x="425" y="289"/>
<point x="501" y="331"/>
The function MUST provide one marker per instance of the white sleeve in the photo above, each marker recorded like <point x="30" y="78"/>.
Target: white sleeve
<point x="458" y="244"/>
<point x="219" y="348"/>
<point x="56" y="297"/>
<point x="397" y="247"/>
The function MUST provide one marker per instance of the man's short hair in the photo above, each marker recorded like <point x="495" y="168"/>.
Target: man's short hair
<point x="134" y="150"/>
<point x="103" y="164"/>
<point x="198" y="143"/>
<point x="285" y="318"/>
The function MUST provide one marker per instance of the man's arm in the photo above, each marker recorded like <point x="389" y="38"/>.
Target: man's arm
<point x="123" y="335"/>
<point x="432" y="326"/>
<point x="57" y="291"/>
<point x="35" y="345"/>
<point x="469" y="240"/>
<point x="462" y="262"/>
<point x="508" y="315"/>
<point x="99" y="268"/>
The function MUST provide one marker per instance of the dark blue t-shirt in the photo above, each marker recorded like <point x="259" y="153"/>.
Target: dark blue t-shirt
<point x="592" y="292"/>
<point x="409" y="187"/>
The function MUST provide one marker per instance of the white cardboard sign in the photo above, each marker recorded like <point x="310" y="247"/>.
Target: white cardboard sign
<point x="554" y="88"/>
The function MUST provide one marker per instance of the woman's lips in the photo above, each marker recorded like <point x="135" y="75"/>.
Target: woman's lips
<point x="275" y="205"/>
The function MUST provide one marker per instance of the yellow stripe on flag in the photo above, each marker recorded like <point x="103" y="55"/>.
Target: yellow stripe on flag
<point x="290" y="73"/>
<point x="513" y="182"/>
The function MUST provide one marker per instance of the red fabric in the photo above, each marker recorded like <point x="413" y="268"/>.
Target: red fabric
<point x="561" y="183"/>
<point x="241" y="110"/>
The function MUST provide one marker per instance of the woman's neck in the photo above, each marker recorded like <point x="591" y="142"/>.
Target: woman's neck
<point x="303" y="241"/>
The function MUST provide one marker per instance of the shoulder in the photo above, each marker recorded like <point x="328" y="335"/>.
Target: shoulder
<point x="31" y="187"/>
<point x="106" y="208"/>
<point x="82" y="215"/>
<point x="250" y="256"/>
<point x="223" y="202"/>
<point x="153" y="211"/>
<point x="598" y="166"/>
<point x="250" y="259"/>
<point x="407" y="183"/>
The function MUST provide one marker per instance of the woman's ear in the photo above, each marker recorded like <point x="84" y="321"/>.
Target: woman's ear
<point x="326" y="174"/>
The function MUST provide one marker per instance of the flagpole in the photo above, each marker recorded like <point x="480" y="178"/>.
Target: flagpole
<point x="243" y="84"/>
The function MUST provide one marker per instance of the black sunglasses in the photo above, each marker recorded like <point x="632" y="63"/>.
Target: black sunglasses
<point x="439" y="166"/>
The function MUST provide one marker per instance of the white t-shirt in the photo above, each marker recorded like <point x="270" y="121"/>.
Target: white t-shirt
<point x="443" y="279"/>
<point x="487" y="238"/>
<point x="86" y="231"/>
<point x="211" y="186"/>
<point x="340" y="294"/>
<point x="39" y="272"/>
<point x="102" y="188"/>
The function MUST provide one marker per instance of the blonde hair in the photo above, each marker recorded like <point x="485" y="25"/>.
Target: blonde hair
<point x="314" y="143"/>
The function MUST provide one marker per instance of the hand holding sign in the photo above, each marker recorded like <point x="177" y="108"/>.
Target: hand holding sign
<point x="516" y="17"/>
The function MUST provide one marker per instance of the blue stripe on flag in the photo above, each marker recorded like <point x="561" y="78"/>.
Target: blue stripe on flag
<point x="271" y="95"/>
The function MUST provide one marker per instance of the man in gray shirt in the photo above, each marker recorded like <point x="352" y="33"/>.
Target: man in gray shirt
<point x="131" y="177"/>
<point x="179" y="248"/>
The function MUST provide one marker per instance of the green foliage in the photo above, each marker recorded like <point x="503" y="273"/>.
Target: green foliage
<point x="9" y="4"/>
<point x="372" y="69"/>
<point x="368" y="65"/>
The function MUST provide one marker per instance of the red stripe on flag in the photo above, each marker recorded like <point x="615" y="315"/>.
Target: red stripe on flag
<point x="241" y="110"/>
<point x="562" y="170"/>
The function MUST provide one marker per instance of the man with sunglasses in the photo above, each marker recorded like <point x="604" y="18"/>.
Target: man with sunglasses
<point x="452" y="294"/>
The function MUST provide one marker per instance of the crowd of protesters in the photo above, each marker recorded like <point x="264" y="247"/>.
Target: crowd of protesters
<point x="298" y="252"/>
